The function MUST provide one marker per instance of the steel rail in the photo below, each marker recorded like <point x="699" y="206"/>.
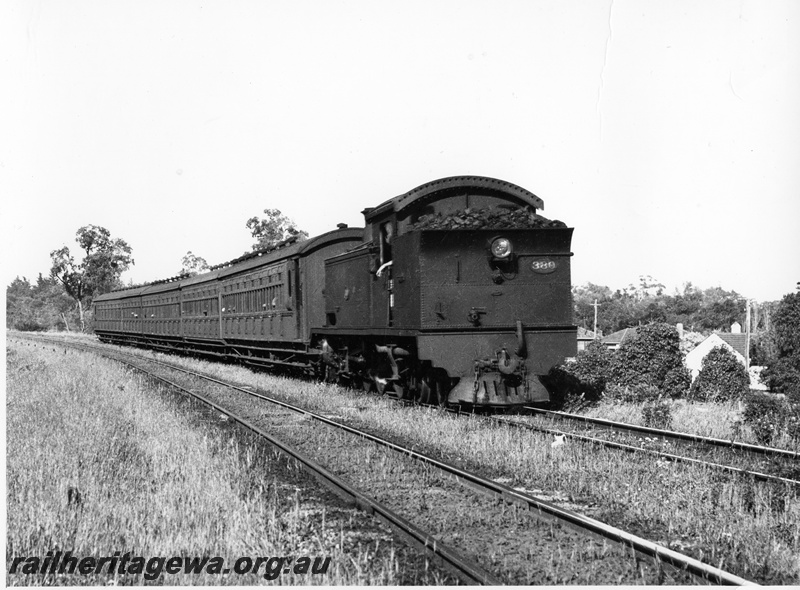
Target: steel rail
<point x="681" y="562"/>
<point x="510" y="495"/>
<point x="669" y="433"/>
<point x="633" y="449"/>
<point x="470" y="572"/>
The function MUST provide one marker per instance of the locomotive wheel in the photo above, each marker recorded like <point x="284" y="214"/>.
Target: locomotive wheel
<point x="330" y="374"/>
<point x="411" y="388"/>
<point x="438" y="396"/>
<point x="380" y="384"/>
<point x="432" y="390"/>
<point x="424" y="391"/>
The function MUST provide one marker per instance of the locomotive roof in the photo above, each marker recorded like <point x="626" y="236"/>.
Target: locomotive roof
<point x="445" y="187"/>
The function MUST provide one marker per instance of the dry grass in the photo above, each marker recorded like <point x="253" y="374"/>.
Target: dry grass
<point x="154" y="481"/>
<point x="718" y="420"/>
<point x="750" y="529"/>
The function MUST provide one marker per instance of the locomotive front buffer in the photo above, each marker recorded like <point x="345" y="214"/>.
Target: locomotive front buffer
<point x="505" y="374"/>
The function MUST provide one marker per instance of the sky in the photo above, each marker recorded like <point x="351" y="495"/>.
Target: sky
<point x="666" y="133"/>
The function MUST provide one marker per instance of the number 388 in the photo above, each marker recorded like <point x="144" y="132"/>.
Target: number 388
<point x="543" y="265"/>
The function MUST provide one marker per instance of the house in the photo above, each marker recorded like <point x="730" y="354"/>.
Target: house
<point x="584" y="338"/>
<point x="615" y="340"/>
<point x="734" y="341"/>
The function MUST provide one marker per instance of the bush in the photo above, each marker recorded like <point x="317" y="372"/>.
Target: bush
<point x="591" y="369"/>
<point x="722" y="377"/>
<point x="793" y="422"/>
<point x="28" y="325"/>
<point x="677" y="382"/>
<point x="784" y="376"/>
<point x="767" y="415"/>
<point x="649" y="358"/>
<point x="657" y="414"/>
<point x="582" y="381"/>
<point x="562" y="385"/>
<point x="783" y="372"/>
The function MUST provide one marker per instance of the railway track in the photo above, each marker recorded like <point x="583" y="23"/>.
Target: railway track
<point x="465" y="570"/>
<point x="770" y="464"/>
<point x="670" y="434"/>
<point x="494" y="512"/>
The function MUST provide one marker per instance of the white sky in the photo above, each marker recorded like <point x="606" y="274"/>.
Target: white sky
<point x="666" y="133"/>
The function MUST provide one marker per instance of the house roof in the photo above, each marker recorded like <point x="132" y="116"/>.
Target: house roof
<point x="584" y="334"/>
<point x="694" y="358"/>
<point x="620" y="336"/>
<point x="736" y="341"/>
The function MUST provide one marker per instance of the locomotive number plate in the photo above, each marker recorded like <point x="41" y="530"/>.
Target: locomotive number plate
<point x="543" y="266"/>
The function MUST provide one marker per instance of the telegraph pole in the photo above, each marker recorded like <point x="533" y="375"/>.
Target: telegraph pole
<point x="595" y="304"/>
<point x="747" y="338"/>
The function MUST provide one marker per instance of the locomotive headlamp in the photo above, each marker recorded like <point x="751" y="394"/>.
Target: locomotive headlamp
<point x="501" y="248"/>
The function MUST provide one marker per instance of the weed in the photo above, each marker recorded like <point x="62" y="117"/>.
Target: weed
<point x="657" y="414"/>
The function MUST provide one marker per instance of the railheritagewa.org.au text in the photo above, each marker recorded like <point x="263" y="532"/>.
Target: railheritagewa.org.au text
<point x="153" y="567"/>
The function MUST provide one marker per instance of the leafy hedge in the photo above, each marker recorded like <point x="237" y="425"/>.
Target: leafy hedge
<point x="581" y="381"/>
<point x="591" y="368"/>
<point x="652" y="357"/>
<point x="647" y="367"/>
<point x="784" y="376"/>
<point x="769" y="416"/>
<point x="722" y="377"/>
<point x="783" y="373"/>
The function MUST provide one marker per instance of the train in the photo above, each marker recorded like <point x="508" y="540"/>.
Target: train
<point x="457" y="292"/>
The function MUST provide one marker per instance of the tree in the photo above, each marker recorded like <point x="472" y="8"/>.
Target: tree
<point x="591" y="368"/>
<point x="192" y="265"/>
<point x="41" y="306"/>
<point x="786" y="325"/>
<point x="651" y="358"/>
<point x="19" y="314"/>
<point x="783" y="372"/>
<point x="52" y="306"/>
<point x="621" y="310"/>
<point x="104" y="260"/>
<point x="720" y="309"/>
<point x="272" y="229"/>
<point x="722" y="377"/>
<point x="648" y="287"/>
<point x="584" y="297"/>
<point x="645" y="303"/>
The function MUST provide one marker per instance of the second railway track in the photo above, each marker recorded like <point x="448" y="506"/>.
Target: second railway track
<point x="770" y="464"/>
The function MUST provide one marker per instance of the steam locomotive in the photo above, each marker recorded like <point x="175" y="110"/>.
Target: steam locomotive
<point x="456" y="292"/>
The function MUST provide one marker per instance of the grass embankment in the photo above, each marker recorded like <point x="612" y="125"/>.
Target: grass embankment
<point x="98" y="463"/>
<point x="751" y="529"/>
